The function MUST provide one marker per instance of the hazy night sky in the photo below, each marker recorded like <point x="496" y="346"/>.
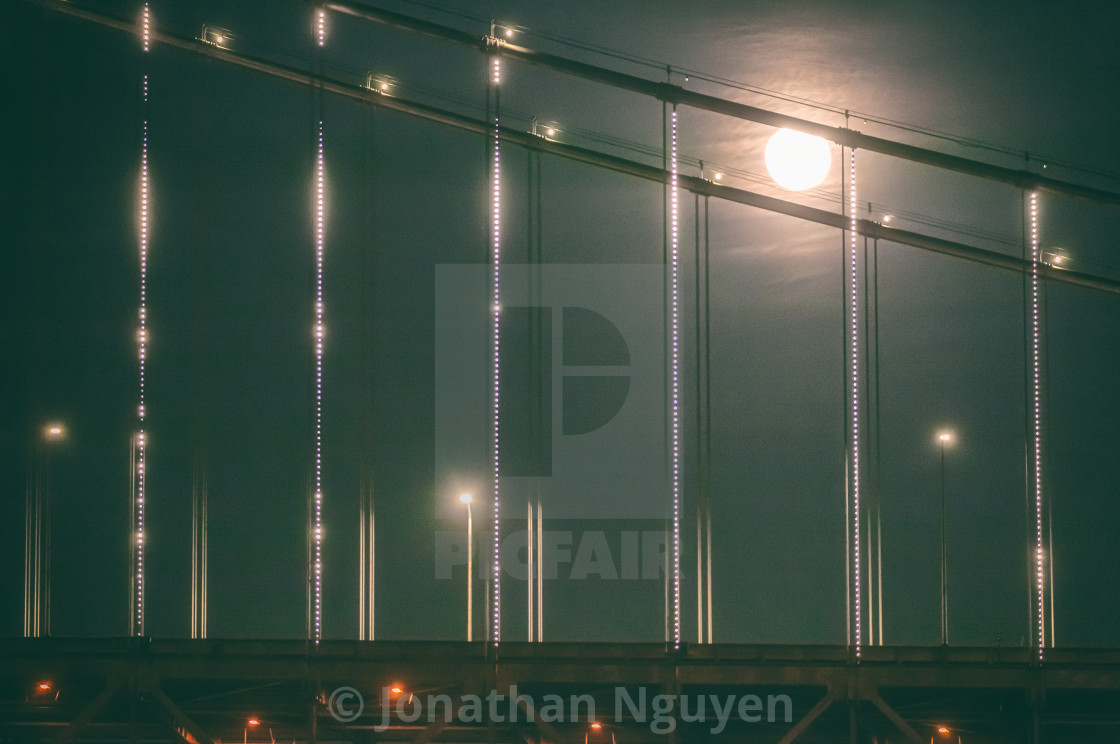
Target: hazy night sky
<point x="231" y="277"/>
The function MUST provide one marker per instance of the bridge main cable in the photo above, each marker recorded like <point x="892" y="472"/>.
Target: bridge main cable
<point x="676" y="95"/>
<point x="694" y="184"/>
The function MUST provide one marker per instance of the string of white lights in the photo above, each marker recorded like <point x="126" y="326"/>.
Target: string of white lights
<point x="496" y="310"/>
<point x="317" y="557"/>
<point x="1037" y="394"/>
<point x="319" y="333"/>
<point x="142" y="337"/>
<point x="674" y="273"/>
<point x="853" y="299"/>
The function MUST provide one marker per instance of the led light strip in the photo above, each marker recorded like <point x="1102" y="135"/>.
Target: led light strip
<point x="141" y="443"/>
<point x="496" y="310"/>
<point x="853" y="297"/>
<point x="319" y="331"/>
<point x="1036" y="383"/>
<point x="146" y="27"/>
<point x="674" y="225"/>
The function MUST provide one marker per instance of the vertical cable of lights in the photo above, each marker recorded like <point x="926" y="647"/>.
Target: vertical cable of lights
<point x="317" y="516"/>
<point x="140" y="443"/>
<point x="674" y="271"/>
<point x="1037" y="428"/>
<point x="853" y="301"/>
<point x="495" y="315"/>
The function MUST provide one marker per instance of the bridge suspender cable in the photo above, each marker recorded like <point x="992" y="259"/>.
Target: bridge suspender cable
<point x="495" y="78"/>
<point x="854" y="377"/>
<point x="675" y="379"/>
<point x="316" y="578"/>
<point x="1036" y="430"/>
<point x="139" y="443"/>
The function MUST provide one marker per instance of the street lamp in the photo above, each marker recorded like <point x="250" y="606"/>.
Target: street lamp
<point x="37" y="535"/>
<point x="944" y="438"/>
<point x="466" y="499"/>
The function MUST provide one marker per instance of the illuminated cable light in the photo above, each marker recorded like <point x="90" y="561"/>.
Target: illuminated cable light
<point x="496" y="303"/>
<point x="320" y="245"/>
<point x="321" y="27"/>
<point x="1037" y="395"/>
<point x="379" y="83"/>
<point x="853" y="297"/>
<point x="146" y="27"/>
<point x="674" y="224"/>
<point x="140" y="440"/>
<point x="215" y="36"/>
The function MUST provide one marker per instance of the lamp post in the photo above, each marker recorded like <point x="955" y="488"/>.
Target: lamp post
<point x="466" y="499"/>
<point x="37" y="544"/>
<point x="944" y="438"/>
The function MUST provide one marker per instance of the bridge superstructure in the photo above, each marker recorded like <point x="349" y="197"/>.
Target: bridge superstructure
<point x="141" y="688"/>
<point x="212" y="690"/>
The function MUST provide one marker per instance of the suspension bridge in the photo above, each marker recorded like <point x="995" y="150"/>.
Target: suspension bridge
<point x="327" y="686"/>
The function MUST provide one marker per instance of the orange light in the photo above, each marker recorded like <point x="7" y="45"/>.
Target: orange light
<point x="44" y="686"/>
<point x="395" y="690"/>
<point x="596" y="725"/>
<point x="943" y="730"/>
<point x="254" y="722"/>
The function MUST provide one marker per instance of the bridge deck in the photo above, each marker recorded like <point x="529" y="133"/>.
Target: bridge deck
<point x="206" y="690"/>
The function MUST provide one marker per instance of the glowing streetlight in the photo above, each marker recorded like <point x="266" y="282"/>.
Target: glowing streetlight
<point x="542" y="129"/>
<point x="215" y="36"/>
<point x="466" y="499"/>
<point x="944" y="438"/>
<point x="54" y="431"/>
<point x="500" y="31"/>
<point x="45" y="690"/>
<point x="595" y="728"/>
<point x="944" y="732"/>
<point x="797" y="161"/>
<point x="379" y="83"/>
<point x="254" y="722"/>
<point x="1055" y="258"/>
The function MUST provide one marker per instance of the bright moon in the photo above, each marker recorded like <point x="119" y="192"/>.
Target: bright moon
<point x="797" y="161"/>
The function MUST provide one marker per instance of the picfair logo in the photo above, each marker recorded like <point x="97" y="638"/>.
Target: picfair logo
<point x="582" y="372"/>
